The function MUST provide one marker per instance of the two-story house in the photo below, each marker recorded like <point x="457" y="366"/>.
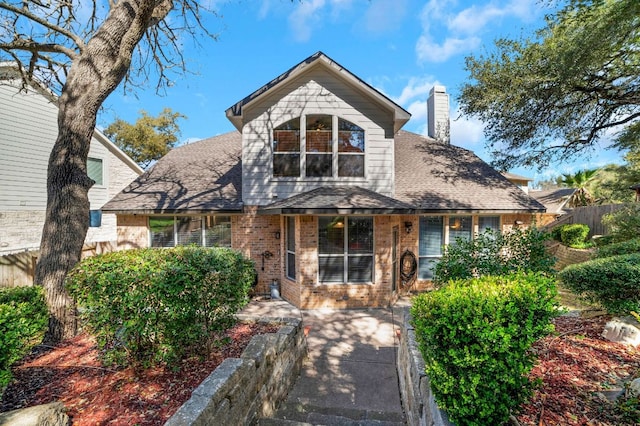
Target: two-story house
<point x="28" y="130"/>
<point x="323" y="190"/>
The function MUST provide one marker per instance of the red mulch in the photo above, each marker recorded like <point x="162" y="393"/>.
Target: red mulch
<point x="94" y="395"/>
<point x="576" y="365"/>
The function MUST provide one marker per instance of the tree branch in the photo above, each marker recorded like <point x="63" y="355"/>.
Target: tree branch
<point x="35" y="18"/>
<point x="33" y="47"/>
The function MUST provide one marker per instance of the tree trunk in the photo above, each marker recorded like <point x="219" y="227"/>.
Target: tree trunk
<point x="94" y="74"/>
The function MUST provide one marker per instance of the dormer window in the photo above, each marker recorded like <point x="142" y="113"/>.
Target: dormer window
<point x="330" y="147"/>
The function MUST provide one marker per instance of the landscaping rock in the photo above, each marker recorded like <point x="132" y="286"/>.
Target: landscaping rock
<point x="634" y="387"/>
<point x="623" y="330"/>
<point x="40" y="415"/>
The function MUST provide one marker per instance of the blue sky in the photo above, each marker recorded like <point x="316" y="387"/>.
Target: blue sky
<point x="400" y="47"/>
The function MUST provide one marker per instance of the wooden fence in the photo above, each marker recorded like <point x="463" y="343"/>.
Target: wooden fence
<point x="589" y="215"/>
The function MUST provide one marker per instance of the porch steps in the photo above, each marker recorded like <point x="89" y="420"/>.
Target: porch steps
<point x="298" y="414"/>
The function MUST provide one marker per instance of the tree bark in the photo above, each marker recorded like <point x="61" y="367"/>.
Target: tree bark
<point x="94" y="74"/>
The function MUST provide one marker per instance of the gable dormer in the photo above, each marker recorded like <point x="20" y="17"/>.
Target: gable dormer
<point x="315" y="125"/>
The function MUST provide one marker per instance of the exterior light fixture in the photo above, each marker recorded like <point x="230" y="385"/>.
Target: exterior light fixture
<point x="276" y="235"/>
<point x="518" y="222"/>
<point x="408" y="226"/>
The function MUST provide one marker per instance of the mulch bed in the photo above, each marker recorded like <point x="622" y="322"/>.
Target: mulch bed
<point x="578" y="367"/>
<point x="94" y="395"/>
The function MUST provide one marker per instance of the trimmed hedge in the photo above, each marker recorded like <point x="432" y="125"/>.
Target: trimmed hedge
<point x="617" y="249"/>
<point x="613" y="282"/>
<point x="574" y="234"/>
<point x="160" y="305"/>
<point x="23" y="322"/>
<point x="476" y="335"/>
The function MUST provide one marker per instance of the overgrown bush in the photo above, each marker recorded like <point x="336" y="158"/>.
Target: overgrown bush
<point x="476" y="335"/>
<point x="494" y="253"/>
<point x="613" y="282"/>
<point x="23" y="321"/>
<point x="574" y="235"/>
<point x="158" y="305"/>
<point x="623" y="224"/>
<point x="616" y="249"/>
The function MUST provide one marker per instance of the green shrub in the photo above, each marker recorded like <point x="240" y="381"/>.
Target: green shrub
<point x="476" y="335"/>
<point x="151" y="305"/>
<point x="616" y="249"/>
<point x="574" y="234"/>
<point x="623" y="224"/>
<point x="493" y="253"/>
<point x="23" y="321"/>
<point x="613" y="282"/>
<point x="556" y="233"/>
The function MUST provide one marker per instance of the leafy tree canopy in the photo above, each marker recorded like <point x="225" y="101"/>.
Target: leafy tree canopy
<point x="554" y="96"/>
<point x="149" y="138"/>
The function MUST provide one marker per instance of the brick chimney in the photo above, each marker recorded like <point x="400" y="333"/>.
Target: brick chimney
<point x="438" y="114"/>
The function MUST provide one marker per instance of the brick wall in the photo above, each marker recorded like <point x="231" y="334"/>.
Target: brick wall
<point x="132" y="232"/>
<point x="253" y="235"/>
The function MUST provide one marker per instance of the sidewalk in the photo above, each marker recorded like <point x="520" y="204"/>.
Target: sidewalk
<point x="349" y="376"/>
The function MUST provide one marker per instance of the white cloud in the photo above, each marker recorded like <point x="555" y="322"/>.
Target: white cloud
<point x="466" y="132"/>
<point x="304" y="18"/>
<point x="446" y="33"/>
<point x="430" y="51"/>
<point x="384" y="15"/>
<point x="416" y="88"/>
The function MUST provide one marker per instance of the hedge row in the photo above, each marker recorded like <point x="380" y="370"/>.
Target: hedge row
<point x="476" y="335"/>
<point x="613" y="282"/>
<point x="572" y="235"/>
<point x="23" y="321"/>
<point x="150" y="305"/>
<point x="617" y="249"/>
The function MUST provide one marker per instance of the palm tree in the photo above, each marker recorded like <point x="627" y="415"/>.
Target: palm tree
<point x="579" y="181"/>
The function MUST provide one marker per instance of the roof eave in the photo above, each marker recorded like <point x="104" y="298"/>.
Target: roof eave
<point x="146" y="212"/>
<point x="334" y="211"/>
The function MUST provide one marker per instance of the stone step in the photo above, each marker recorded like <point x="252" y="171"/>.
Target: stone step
<point x="298" y="414"/>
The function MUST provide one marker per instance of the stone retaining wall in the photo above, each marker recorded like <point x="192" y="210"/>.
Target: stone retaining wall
<point x="415" y="390"/>
<point x="568" y="256"/>
<point x="243" y="389"/>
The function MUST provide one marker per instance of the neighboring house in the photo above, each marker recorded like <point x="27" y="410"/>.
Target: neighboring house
<point x="555" y="201"/>
<point x="323" y="190"/>
<point x="28" y="130"/>
<point x="521" y="181"/>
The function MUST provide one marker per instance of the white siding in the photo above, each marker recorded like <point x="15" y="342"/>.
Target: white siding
<point x="28" y="130"/>
<point x="314" y="93"/>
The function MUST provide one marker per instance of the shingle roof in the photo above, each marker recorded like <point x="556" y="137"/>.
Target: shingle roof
<point x="553" y="199"/>
<point x="200" y="177"/>
<point x="431" y="177"/>
<point x="434" y="177"/>
<point x="338" y="200"/>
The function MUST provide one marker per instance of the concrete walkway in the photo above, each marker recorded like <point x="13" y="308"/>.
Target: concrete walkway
<point x="349" y="376"/>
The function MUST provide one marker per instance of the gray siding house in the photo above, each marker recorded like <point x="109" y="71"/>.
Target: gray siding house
<point x="322" y="188"/>
<point x="28" y="129"/>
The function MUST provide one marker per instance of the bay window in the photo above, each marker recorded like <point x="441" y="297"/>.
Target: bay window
<point x="345" y="249"/>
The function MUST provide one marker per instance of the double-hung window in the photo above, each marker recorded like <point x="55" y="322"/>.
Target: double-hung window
<point x="286" y="149"/>
<point x="491" y="223"/>
<point x="95" y="170"/>
<point x="431" y="242"/>
<point x="345" y="249"/>
<point x="460" y="228"/>
<point x="319" y="146"/>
